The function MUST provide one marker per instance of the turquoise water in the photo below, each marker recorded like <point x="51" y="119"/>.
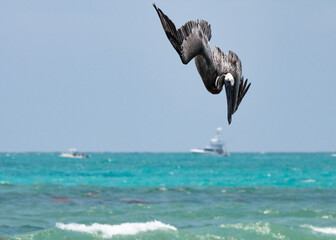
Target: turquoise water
<point x="168" y="196"/>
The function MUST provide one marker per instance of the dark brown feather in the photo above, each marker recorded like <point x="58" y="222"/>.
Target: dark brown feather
<point x="242" y="90"/>
<point x="170" y="30"/>
<point x="178" y="36"/>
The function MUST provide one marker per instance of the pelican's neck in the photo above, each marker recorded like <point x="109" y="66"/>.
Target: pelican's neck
<point x="208" y="73"/>
<point x="220" y="83"/>
<point x="215" y="88"/>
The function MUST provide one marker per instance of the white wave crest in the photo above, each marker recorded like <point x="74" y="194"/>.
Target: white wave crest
<point x="108" y="231"/>
<point x="325" y="230"/>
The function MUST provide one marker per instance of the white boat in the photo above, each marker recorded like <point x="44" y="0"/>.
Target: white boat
<point x="73" y="153"/>
<point x="216" y="146"/>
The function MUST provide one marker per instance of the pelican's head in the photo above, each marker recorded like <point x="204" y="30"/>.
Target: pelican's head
<point x="229" y="82"/>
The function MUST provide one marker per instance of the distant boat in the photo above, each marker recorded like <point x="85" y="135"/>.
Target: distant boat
<point x="216" y="146"/>
<point x="73" y="153"/>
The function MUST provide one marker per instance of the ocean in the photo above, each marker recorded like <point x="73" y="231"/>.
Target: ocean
<point x="168" y="196"/>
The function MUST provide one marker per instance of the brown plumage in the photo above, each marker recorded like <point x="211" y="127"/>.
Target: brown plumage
<point x="216" y="69"/>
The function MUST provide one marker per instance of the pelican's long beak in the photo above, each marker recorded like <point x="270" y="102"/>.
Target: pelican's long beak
<point x="229" y="98"/>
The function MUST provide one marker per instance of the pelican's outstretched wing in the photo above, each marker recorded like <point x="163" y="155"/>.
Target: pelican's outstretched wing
<point x="230" y="63"/>
<point x="186" y="40"/>
<point x="227" y="63"/>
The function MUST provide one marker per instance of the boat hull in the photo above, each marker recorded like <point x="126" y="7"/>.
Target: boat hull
<point x="201" y="151"/>
<point x="69" y="155"/>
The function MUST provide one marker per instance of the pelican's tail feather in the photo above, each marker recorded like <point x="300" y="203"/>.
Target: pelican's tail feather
<point x="188" y="41"/>
<point x="243" y="88"/>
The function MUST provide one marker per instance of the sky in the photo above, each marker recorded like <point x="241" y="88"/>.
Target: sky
<point x="102" y="76"/>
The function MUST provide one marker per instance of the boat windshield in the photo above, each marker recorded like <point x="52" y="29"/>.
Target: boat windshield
<point x="209" y="149"/>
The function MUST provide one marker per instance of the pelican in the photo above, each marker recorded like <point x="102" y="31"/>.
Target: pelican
<point x="215" y="68"/>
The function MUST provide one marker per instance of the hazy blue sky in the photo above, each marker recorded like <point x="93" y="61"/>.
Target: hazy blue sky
<point x="102" y="76"/>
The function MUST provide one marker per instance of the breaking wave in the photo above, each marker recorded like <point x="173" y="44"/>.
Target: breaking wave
<point x="325" y="230"/>
<point x="108" y="231"/>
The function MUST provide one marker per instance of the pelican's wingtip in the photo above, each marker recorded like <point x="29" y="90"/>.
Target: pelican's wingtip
<point x="157" y="9"/>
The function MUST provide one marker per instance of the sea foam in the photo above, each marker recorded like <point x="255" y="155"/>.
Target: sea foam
<point x="108" y="231"/>
<point x="258" y="227"/>
<point x="325" y="230"/>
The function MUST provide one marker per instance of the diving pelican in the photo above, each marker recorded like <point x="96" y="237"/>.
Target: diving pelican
<point x="216" y="69"/>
